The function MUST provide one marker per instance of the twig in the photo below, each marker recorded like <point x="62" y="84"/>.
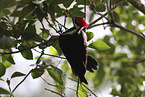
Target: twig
<point x="48" y="83"/>
<point x="51" y="55"/>
<point x="42" y="53"/>
<point x="44" y="28"/>
<point x="87" y="88"/>
<point x="20" y="50"/>
<point x="55" y="92"/>
<point x="21" y="81"/>
<point x="55" y="56"/>
<point x="59" y="23"/>
<point x="50" y="24"/>
<point x="91" y="91"/>
<point x="85" y="13"/>
<point x="64" y="20"/>
<point x="98" y="25"/>
<point x="72" y="89"/>
<point x="143" y="34"/>
<point x="135" y="93"/>
<point x="140" y="61"/>
<point x="129" y="30"/>
<point x="8" y="83"/>
<point x="77" y="88"/>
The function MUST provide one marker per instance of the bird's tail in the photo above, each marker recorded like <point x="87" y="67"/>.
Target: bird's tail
<point x="83" y="79"/>
<point x="92" y="64"/>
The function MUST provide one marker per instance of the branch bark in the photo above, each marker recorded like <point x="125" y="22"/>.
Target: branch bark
<point x="138" y="5"/>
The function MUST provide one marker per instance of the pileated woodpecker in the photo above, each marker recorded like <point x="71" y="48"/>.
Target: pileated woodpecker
<point x="74" y="47"/>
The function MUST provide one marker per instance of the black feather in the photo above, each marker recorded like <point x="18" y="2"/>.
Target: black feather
<point x="74" y="48"/>
<point x="92" y="64"/>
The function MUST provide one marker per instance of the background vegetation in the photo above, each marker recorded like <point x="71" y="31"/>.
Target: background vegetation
<point x="121" y="55"/>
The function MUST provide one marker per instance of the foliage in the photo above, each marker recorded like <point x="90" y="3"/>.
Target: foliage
<point x="121" y="55"/>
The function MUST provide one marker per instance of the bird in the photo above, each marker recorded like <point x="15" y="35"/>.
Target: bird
<point x="73" y="43"/>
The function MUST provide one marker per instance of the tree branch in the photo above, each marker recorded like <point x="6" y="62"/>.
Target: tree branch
<point x="138" y="5"/>
<point x="121" y="2"/>
<point x="98" y="25"/>
<point x="124" y="28"/>
<point x="129" y="30"/>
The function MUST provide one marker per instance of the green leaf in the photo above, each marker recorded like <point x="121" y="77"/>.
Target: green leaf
<point x="3" y="40"/>
<point x="126" y="79"/>
<point x="40" y="14"/>
<point x="67" y="4"/>
<point x="91" y="16"/>
<point x="114" y="92"/>
<point x="45" y="33"/>
<point x="17" y="74"/>
<point x="36" y="73"/>
<point x="100" y="7"/>
<point x="51" y="9"/>
<point x="55" y="44"/>
<point x="99" y="45"/>
<point x="3" y="91"/>
<point x="47" y="60"/>
<point x="55" y="2"/>
<point x="58" y="71"/>
<point x="59" y="11"/>
<point x="26" y="11"/>
<point x="51" y="40"/>
<point x="83" y="91"/>
<point x="7" y="42"/>
<point x="53" y="51"/>
<point x="118" y="56"/>
<point x="129" y="71"/>
<point x="29" y="32"/>
<point x="116" y="17"/>
<point x="98" y="77"/>
<point x="54" y="75"/>
<point x="37" y="38"/>
<point x="76" y="11"/>
<point x="98" y="1"/>
<point x="20" y="26"/>
<point x="90" y="35"/>
<point x="4" y="12"/>
<point x="15" y="13"/>
<point x="26" y="52"/>
<point x="81" y="2"/>
<point x="2" y="79"/>
<point x="8" y="57"/>
<point x="6" y="63"/>
<point x="2" y="69"/>
<point x="6" y="4"/>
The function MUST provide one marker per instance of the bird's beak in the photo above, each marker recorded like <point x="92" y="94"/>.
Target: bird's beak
<point x="71" y="16"/>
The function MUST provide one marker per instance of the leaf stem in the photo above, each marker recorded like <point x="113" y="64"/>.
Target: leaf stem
<point x="77" y="88"/>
